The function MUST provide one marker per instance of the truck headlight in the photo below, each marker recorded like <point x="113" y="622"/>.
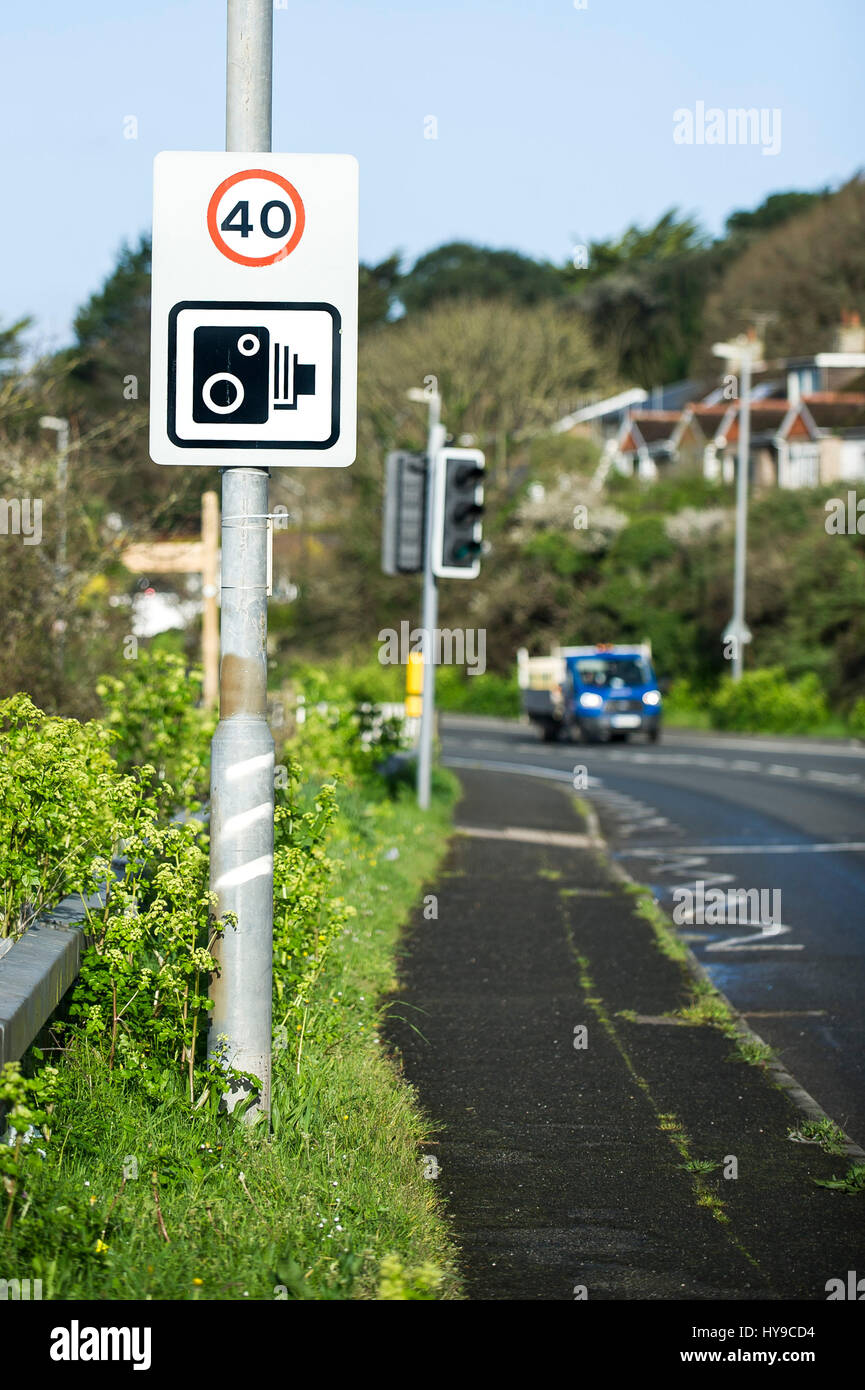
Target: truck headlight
<point x="589" y="700"/>
<point x="652" y="697"/>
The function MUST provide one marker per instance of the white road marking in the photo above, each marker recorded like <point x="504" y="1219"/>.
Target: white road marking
<point x="835" y="779"/>
<point x="758" y="942"/>
<point x="528" y="836"/>
<point x="830" y="847"/>
<point x="839" y="779"/>
<point x="552" y="774"/>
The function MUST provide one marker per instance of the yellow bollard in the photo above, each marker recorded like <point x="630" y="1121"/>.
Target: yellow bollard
<point x="414" y="685"/>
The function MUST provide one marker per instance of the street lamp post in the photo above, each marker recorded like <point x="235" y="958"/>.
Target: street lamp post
<point x="742" y="353"/>
<point x="61" y="429"/>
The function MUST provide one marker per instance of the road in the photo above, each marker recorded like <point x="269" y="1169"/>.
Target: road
<point x="736" y="812"/>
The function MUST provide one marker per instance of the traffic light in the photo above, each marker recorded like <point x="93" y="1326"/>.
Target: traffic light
<point x="402" y="547"/>
<point x="458" y="504"/>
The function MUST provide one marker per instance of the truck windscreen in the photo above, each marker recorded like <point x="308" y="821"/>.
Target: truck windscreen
<point x="613" y="672"/>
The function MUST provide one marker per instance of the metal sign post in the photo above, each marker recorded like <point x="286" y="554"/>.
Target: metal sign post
<point x="253" y="366"/>
<point x="242" y="754"/>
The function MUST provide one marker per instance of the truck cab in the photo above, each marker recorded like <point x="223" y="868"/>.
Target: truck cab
<point x="614" y="691"/>
<point x="601" y="692"/>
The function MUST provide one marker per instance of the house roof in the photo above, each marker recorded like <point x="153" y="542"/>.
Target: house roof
<point x="837" y="409"/>
<point x="656" y="424"/>
<point x="648" y="429"/>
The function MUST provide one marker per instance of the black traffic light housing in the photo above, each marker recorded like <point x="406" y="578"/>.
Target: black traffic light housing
<point x="404" y="519"/>
<point x="458" y="506"/>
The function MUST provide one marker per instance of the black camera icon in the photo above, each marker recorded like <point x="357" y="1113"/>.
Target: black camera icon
<point x="239" y="375"/>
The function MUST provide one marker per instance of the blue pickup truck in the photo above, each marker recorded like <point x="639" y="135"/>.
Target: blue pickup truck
<point x="601" y="692"/>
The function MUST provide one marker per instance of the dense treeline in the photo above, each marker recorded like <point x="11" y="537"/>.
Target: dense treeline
<point x="514" y="345"/>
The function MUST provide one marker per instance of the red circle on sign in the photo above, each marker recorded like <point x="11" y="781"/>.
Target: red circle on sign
<point x="299" y="217"/>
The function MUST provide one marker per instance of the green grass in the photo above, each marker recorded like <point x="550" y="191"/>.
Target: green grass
<point x="700" y="719"/>
<point x="852" y="1184"/>
<point x="823" y="1132"/>
<point x="332" y="1205"/>
<point x="755" y="1053"/>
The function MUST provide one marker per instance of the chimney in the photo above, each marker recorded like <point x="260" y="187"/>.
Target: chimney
<point x="850" y="334"/>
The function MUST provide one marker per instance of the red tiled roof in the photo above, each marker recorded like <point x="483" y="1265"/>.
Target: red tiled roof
<point x="655" y="424"/>
<point x="836" y="409"/>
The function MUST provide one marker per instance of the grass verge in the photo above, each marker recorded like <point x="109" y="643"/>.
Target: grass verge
<point x="131" y="1202"/>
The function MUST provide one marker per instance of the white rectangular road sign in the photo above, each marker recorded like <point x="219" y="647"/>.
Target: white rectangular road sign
<point x="254" y="310"/>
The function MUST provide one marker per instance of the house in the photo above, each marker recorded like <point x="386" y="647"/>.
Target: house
<point x="602" y="420"/>
<point x="840" y="419"/>
<point x="807" y="422"/>
<point x="830" y="371"/>
<point x="650" y="442"/>
<point x="784" y="443"/>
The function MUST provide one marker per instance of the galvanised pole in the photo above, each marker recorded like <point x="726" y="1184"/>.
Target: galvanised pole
<point x="741" y="515"/>
<point x="429" y="612"/>
<point x="242" y="756"/>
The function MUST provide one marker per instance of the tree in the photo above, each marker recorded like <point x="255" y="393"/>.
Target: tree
<point x="504" y="371"/>
<point x="643" y="295"/>
<point x="11" y="346"/>
<point x="377" y="289"/>
<point x="806" y="271"/>
<point x="106" y="398"/>
<point x="671" y="237"/>
<point x="461" y="270"/>
<point x="777" y="208"/>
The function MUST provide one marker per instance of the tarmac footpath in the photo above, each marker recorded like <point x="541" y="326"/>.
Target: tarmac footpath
<point x="589" y="1142"/>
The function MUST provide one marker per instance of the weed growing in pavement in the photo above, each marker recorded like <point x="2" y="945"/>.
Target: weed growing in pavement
<point x="749" y="1050"/>
<point x="706" y="1006"/>
<point x="668" y="941"/>
<point x="852" y="1183"/>
<point x="823" y="1132"/>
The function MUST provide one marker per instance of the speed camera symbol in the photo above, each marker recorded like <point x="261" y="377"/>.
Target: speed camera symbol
<point x="238" y="378"/>
<point x="230" y="375"/>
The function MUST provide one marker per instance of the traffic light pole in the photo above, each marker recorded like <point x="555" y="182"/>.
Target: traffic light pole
<point x="429" y="611"/>
<point x="242" y="753"/>
<point x="741" y="515"/>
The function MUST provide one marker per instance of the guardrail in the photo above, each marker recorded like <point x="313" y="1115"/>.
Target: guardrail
<point x="37" y="970"/>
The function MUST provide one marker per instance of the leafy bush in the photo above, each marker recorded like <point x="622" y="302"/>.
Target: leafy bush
<point x="856" y="719"/>
<point x="142" y="987"/>
<point x="306" y="921"/>
<point x="686" y="704"/>
<point x="484" y="694"/>
<point x="559" y="553"/>
<point x="63" y="807"/>
<point x="766" y="700"/>
<point x="642" y="543"/>
<point x="152" y="710"/>
<point x="400" y="1284"/>
<point x="342" y="734"/>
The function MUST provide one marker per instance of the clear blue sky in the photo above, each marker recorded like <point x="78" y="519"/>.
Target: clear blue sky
<point x="554" y="123"/>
